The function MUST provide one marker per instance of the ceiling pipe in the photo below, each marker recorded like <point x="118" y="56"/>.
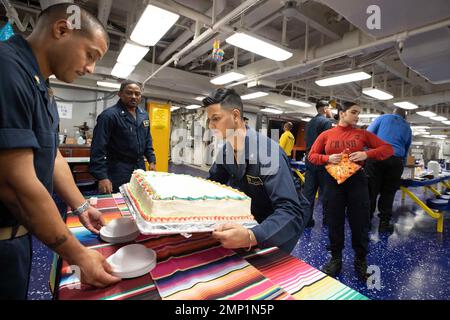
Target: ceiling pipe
<point x="331" y="51"/>
<point x="205" y="35"/>
<point x="268" y="11"/>
<point x="220" y="6"/>
<point x="428" y="99"/>
<point x="104" y="10"/>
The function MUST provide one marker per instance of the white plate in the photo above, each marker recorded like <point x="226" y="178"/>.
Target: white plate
<point x="132" y="261"/>
<point x="116" y="240"/>
<point x="120" y="230"/>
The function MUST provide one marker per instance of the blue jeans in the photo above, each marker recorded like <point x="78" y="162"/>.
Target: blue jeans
<point x="314" y="180"/>
<point x="15" y="267"/>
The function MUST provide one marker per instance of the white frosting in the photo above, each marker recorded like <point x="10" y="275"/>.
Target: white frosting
<point x="229" y="202"/>
<point x="169" y="185"/>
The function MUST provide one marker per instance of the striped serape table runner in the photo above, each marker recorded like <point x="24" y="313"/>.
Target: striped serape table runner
<point x="199" y="268"/>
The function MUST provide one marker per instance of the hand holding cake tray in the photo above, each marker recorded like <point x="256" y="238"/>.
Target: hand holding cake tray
<point x="167" y="203"/>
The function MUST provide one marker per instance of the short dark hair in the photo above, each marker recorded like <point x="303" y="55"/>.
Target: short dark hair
<point x="400" y="112"/>
<point x="227" y="98"/>
<point x="89" y="22"/>
<point x="245" y="119"/>
<point x="126" y="83"/>
<point x="289" y="125"/>
<point x="321" y="104"/>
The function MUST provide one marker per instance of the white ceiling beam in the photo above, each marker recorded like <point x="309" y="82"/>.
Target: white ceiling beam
<point x="104" y="10"/>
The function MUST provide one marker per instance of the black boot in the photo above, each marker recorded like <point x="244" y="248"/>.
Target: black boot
<point x="385" y="227"/>
<point x="361" y="268"/>
<point x="334" y="266"/>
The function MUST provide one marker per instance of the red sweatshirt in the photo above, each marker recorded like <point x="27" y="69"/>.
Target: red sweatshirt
<point x="339" y="139"/>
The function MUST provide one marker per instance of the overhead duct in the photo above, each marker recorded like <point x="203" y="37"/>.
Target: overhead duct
<point x="428" y="54"/>
<point x="394" y="16"/>
<point x="47" y="3"/>
<point x="429" y="99"/>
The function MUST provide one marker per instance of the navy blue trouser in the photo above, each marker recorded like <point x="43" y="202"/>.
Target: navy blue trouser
<point x="314" y="181"/>
<point x="120" y="172"/>
<point x="350" y="199"/>
<point x="15" y="268"/>
<point x="384" y="181"/>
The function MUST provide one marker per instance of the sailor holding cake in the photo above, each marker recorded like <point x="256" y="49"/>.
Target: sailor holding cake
<point x="121" y="140"/>
<point x="254" y="164"/>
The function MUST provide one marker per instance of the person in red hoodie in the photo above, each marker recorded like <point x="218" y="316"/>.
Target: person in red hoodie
<point x="352" y="196"/>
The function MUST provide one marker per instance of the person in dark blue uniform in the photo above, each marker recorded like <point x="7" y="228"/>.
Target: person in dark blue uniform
<point x="121" y="140"/>
<point x="30" y="164"/>
<point x="315" y="175"/>
<point x="255" y="165"/>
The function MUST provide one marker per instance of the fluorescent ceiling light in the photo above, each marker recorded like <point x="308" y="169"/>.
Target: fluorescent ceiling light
<point x="420" y="127"/>
<point x="298" y="103"/>
<point x="368" y="115"/>
<point x="426" y="114"/>
<point x="193" y="106"/>
<point x="106" y="84"/>
<point x="406" y="105"/>
<point x="200" y="98"/>
<point x="254" y="95"/>
<point x="270" y="110"/>
<point x="446" y="122"/>
<point x="227" y="78"/>
<point x="306" y="119"/>
<point x="174" y="109"/>
<point x="153" y="25"/>
<point x="438" y="136"/>
<point x="132" y="54"/>
<point x="52" y="76"/>
<point x="121" y="70"/>
<point x="259" y="46"/>
<point x="378" y="93"/>
<point x="343" y="78"/>
<point x="439" y="118"/>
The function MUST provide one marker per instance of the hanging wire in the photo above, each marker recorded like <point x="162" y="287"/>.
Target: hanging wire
<point x="106" y="97"/>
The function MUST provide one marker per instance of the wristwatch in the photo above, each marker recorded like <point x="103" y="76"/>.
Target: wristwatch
<point x="81" y="209"/>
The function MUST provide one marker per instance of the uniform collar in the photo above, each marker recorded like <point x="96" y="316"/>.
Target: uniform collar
<point x="25" y="52"/>
<point x="125" y="113"/>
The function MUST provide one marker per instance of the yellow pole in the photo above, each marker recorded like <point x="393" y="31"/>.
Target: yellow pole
<point x="446" y="184"/>
<point x="436" y="215"/>
<point x="160" y="130"/>
<point x="300" y="175"/>
<point x="437" y="193"/>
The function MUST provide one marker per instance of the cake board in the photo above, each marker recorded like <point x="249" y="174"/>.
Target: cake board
<point x="152" y="228"/>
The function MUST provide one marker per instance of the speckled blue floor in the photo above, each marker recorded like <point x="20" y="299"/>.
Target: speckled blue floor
<point x="414" y="261"/>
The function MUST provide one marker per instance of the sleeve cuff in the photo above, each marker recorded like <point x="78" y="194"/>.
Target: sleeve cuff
<point x="259" y="235"/>
<point x="18" y="139"/>
<point x="370" y="153"/>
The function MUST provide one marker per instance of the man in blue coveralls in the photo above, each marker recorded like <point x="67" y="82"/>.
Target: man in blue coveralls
<point x="31" y="166"/>
<point x="121" y="140"/>
<point x="254" y="164"/>
<point x="314" y="175"/>
<point x="385" y="176"/>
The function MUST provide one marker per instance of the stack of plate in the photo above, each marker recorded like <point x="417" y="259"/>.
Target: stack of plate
<point x="132" y="261"/>
<point x="120" y="230"/>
